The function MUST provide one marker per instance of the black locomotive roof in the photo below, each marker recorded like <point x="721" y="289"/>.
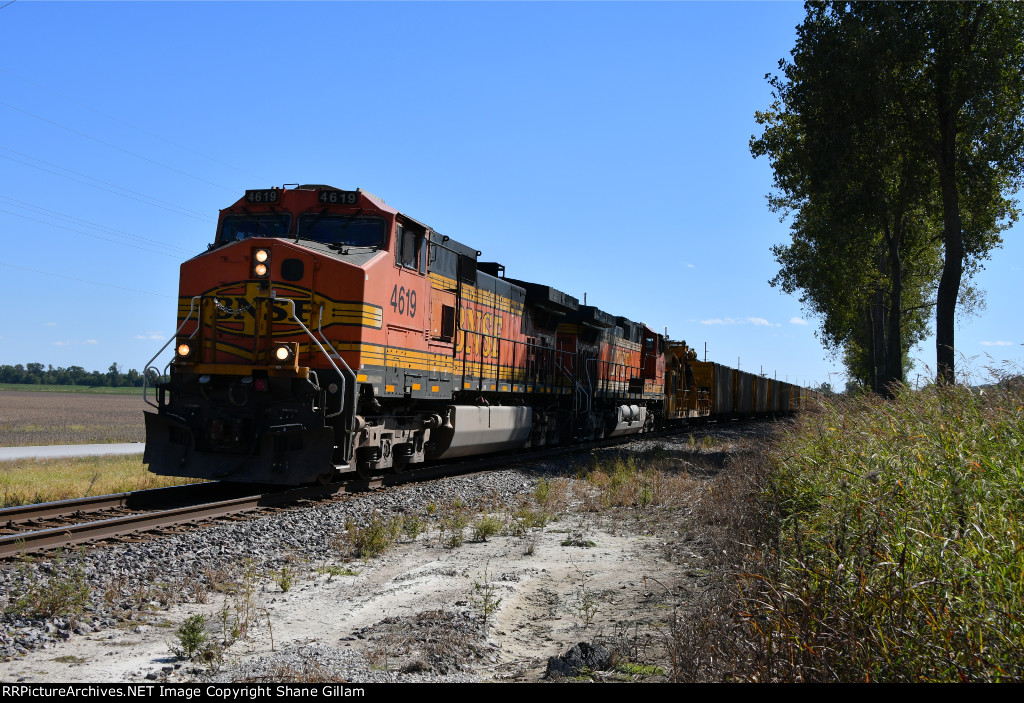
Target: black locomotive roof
<point x="547" y="297"/>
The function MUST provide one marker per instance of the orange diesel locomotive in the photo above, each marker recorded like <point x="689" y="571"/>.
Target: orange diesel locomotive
<point x="324" y="331"/>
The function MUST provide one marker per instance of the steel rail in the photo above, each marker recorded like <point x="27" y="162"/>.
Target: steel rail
<point x="27" y="542"/>
<point x="133" y="500"/>
<point x="69" y="535"/>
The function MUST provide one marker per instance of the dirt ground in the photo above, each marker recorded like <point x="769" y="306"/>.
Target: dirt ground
<point x="493" y="610"/>
<point x="31" y="418"/>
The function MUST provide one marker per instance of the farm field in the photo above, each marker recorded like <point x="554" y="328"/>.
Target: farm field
<point x="29" y="418"/>
<point x="89" y="390"/>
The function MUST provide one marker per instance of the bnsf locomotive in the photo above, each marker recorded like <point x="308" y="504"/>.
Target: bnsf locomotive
<point x="324" y="331"/>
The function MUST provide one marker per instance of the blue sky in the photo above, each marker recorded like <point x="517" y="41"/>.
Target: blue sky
<point x="601" y="148"/>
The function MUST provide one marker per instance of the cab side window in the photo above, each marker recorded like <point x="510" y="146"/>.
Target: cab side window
<point x="410" y="252"/>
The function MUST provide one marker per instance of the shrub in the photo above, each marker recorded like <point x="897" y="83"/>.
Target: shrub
<point x="486" y="526"/>
<point x="192" y="637"/>
<point x="373" y="539"/>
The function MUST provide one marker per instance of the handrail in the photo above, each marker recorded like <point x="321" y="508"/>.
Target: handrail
<point x="320" y="331"/>
<point x="579" y="386"/>
<point x="305" y="329"/>
<point x="145" y="370"/>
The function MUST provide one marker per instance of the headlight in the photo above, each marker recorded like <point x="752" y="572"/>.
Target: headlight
<point x="284" y="353"/>
<point x="184" y="350"/>
<point x="261" y="263"/>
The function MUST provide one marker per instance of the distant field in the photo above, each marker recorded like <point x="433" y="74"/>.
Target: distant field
<point x="91" y="390"/>
<point x="29" y="418"/>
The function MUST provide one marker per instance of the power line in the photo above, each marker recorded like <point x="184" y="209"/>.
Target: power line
<point x="116" y="148"/>
<point x="86" y="223"/>
<point x="6" y="4"/>
<point x="82" y="280"/>
<point x="176" y="209"/>
<point x="87" y="234"/>
<point x="128" y="124"/>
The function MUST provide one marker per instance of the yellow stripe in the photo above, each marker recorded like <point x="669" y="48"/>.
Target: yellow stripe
<point x="475" y="295"/>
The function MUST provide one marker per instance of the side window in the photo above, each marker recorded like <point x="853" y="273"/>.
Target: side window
<point x="447" y="322"/>
<point x="410" y="245"/>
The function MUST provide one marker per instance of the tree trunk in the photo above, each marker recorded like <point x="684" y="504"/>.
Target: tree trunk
<point x="953" y="263"/>
<point x="879" y="344"/>
<point x="895" y="349"/>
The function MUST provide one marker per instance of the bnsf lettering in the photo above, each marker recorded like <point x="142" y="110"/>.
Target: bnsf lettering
<point x="477" y="333"/>
<point x="233" y="308"/>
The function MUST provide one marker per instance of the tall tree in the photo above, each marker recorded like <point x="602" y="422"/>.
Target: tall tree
<point x="863" y="251"/>
<point x="895" y="126"/>
<point x="957" y="75"/>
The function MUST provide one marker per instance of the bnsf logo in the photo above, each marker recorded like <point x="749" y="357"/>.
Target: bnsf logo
<point x="231" y="308"/>
<point x="478" y="332"/>
<point x="235" y="309"/>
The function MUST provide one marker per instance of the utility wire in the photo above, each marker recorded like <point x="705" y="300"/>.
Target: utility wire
<point x="117" y="148"/>
<point x="91" y="225"/>
<point x="128" y="124"/>
<point x="6" y="4"/>
<point x="87" y="234"/>
<point x="82" y="280"/>
<point x="142" y="198"/>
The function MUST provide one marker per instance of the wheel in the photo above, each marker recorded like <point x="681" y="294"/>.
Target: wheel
<point x="364" y="469"/>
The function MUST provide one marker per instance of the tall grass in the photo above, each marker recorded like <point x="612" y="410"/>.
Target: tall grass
<point x="897" y="548"/>
<point x="636" y="481"/>
<point x="40" y="481"/>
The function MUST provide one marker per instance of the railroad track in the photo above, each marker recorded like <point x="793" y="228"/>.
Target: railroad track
<point x="34" y="528"/>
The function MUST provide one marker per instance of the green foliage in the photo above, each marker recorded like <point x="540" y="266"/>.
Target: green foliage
<point x="486" y="526"/>
<point x="192" y="637"/>
<point x="484" y="596"/>
<point x="897" y="542"/>
<point x="35" y="374"/>
<point x="412" y="526"/>
<point x="865" y="247"/>
<point x="525" y="518"/>
<point x="639" y="669"/>
<point x="453" y="520"/>
<point x="896" y="135"/>
<point x="621" y="482"/>
<point x="335" y="570"/>
<point x="63" y="591"/>
<point x="542" y="491"/>
<point x="373" y="539"/>
<point x="586" y="601"/>
<point x="285" y="577"/>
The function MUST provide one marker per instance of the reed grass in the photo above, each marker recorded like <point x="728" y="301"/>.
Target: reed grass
<point x="896" y="546"/>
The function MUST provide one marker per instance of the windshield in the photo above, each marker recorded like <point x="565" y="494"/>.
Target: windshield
<point x="349" y="230"/>
<point x="238" y="227"/>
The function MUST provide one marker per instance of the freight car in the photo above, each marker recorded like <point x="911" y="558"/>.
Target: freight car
<point x="324" y="331"/>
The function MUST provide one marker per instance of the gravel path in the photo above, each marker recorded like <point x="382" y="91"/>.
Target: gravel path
<point x="296" y="607"/>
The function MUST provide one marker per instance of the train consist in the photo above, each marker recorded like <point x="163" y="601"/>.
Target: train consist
<point x="325" y="332"/>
